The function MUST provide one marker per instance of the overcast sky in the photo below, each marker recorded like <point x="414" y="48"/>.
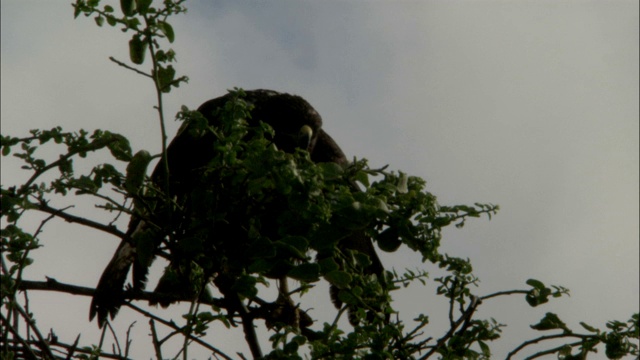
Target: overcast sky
<point x="532" y="105"/>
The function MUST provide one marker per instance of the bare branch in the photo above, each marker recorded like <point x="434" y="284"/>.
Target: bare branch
<point x="17" y="337"/>
<point x="42" y="343"/>
<point x="129" y="67"/>
<point x="154" y="338"/>
<point x="44" y="207"/>
<point x="172" y="325"/>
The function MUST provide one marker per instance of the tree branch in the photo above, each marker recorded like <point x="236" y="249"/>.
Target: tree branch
<point x="54" y="285"/>
<point x="465" y="317"/>
<point x="172" y="325"/>
<point x="553" y="351"/>
<point x="503" y="293"/>
<point x="17" y="338"/>
<point x="44" y="207"/>
<point x="41" y="343"/>
<point x="542" y="338"/>
<point x="71" y="349"/>
<point x="129" y="67"/>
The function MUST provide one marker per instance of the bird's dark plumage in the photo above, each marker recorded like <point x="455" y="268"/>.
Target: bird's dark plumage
<point x="296" y="125"/>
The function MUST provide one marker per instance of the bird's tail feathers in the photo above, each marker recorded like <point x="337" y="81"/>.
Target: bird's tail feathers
<point x="109" y="293"/>
<point x="135" y="250"/>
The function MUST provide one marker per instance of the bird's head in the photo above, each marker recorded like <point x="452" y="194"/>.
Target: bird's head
<point x="295" y="122"/>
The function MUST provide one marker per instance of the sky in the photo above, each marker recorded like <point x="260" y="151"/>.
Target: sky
<point x="532" y="105"/>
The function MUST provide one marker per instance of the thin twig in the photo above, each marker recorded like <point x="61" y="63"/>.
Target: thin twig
<point x="542" y="338"/>
<point x="115" y="338"/>
<point x="154" y="337"/>
<point x="129" y="67"/>
<point x="44" y="207"/>
<point x="172" y="325"/>
<point x="73" y="347"/>
<point x="553" y="351"/>
<point x="44" y="346"/>
<point x="503" y="293"/>
<point x="475" y="302"/>
<point x="16" y="336"/>
<point x="128" y="339"/>
<point x="63" y="159"/>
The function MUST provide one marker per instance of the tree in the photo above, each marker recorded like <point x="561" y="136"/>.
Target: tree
<point x="395" y="210"/>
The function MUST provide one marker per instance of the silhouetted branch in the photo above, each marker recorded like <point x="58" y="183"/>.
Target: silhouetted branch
<point x="175" y="327"/>
<point x="503" y="293"/>
<point x="44" y="207"/>
<point x="54" y="285"/>
<point x="465" y="317"/>
<point x="543" y="338"/>
<point x="129" y="67"/>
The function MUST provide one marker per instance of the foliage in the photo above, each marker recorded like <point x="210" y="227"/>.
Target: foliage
<point x="294" y="212"/>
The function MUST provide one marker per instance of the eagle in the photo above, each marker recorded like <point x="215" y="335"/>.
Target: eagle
<point x="296" y="125"/>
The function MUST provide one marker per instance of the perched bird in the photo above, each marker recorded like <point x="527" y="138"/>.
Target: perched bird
<point x="296" y="125"/>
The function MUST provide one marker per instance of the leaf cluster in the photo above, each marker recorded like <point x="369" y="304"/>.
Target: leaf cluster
<point x="149" y="24"/>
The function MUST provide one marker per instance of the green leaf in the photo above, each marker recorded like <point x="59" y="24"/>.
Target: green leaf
<point x="167" y="30"/>
<point x="363" y="259"/>
<point x="328" y="265"/>
<point x="539" y="294"/>
<point x="536" y="283"/>
<point x="165" y="78"/>
<point x="588" y="327"/>
<point x="305" y="272"/>
<point x="293" y="246"/>
<point x="291" y="348"/>
<point x="363" y="178"/>
<point x="76" y="10"/>
<point x="347" y="297"/>
<point x="261" y="249"/>
<point x="65" y="166"/>
<point x="486" y="350"/>
<point x="388" y="240"/>
<point x="99" y="20"/>
<point x="331" y="170"/>
<point x="128" y="7"/>
<point x="136" y="171"/>
<point x="245" y="285"/>
<point x="616" y="347"/>
<point x="137" y="49"/>
<point x="143" y="6"/>
<point x="339" y="279"/>
<point x="550" y="321"/>
<point x="111" y="20"/>
<point x="120" y="148"/>
<point x="299" y="242"/>
<point x="261" y="266"/>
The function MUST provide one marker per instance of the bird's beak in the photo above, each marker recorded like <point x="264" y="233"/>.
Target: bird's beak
<point x="304" y="137"/>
